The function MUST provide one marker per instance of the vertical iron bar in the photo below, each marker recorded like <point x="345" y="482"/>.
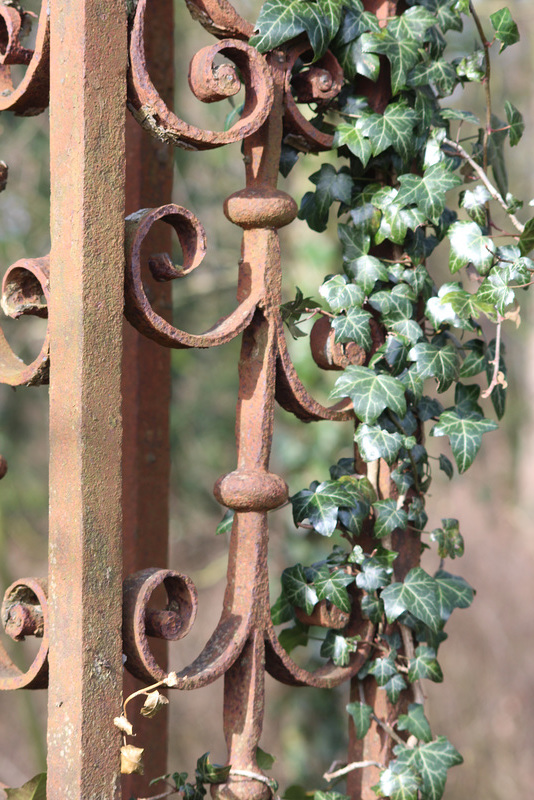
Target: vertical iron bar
<point x="146" y="385"/>
<point x="88" y="69"/>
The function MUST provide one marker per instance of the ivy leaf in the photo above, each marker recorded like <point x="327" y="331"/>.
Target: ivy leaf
<point x="447" y="12"/>
<point x="355" y="239"/>
<point x="445" y="466"/>
<point x="495" y="292"/>
<point x="34" y="789"/>
<point x="297" y="636"/>
<point x="449" y="539"/>
<point x="526" y="240"/>
<point x="206" y="772"/>
<point x="432" y="762"/>
<point x="443" y="308"/>
<point x="320" y="505"/>
<point x="428" y="192"/>
<point x="370" y="392"/>
<point x="297" y="590"/>
<point x="361" y="715"/>
<point x="399" y="783"/>
<point x="331" y="185"/>
<point x="374" y="575"/>
<point x="280" y="21"/>
<point x="358" y="144"/>
<point x="474" y="201"/>
<point x="332" y="586"/>
<point x="402" y="54"/>
<point x="440" y="73"/>
<point x="388" y="517"/>
<point x="355" y="22"/>
<point x="498" y="395"/>
<point x="432" y="361"/>
<point x="415" y="723"/>
<point x="395" y="304"/>
<point x="282" y="610"/>
<point x="515" y="121"/>
<point x="470" y="245"/>
<point x="354" y="60"/>
<point x="413" y="24"/>
<point x="465" y="436"/>
<point x="354" y="327"/>
<point x="383" y="669"/>
<point x="372" y="608"/>
<point x="505" y="28"/>
<point x="453" y="591"/>
<point x="264" y="760"/>
<point x="475" y="360"/>
<point x="225" y="525"/>
<point x="366" y="271"/>
<point x="338" y="648"/>
<point x="409" y="329"/>
<point x="340" y="294"/>
<point x="393" y="127"/>
<point x="374" y="443"/>
<point x="425" y="665"/>
<point x="394" y="687"/>
<point x="418" y="595"/>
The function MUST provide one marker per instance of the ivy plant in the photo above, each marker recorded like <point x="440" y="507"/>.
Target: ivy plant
<point x="413" y="174"/>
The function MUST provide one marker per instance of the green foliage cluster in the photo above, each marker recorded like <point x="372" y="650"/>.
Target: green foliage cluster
<point x="396" y="165"/>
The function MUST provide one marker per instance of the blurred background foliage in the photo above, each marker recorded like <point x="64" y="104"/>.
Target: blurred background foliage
<point x="486" y="705"/>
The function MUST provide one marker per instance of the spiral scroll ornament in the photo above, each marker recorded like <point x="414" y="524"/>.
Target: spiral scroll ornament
<point x="31" y="95"/>
<point x="25" y="613"/>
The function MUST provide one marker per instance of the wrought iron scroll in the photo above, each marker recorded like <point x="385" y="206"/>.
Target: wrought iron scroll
<point x="244" y="643"/>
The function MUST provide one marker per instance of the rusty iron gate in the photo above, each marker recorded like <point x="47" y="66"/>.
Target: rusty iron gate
<point x="112" y="137"/>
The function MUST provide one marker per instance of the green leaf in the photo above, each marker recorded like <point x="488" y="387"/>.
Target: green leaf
<point x="395" y="304"/>
<point x="372" y="608"/>
<point x="355" y="22"/>
<point x="418" y="595"/>
<point x="415" y="723"/>
<point x="371" y="393"/>
<point x="402" y="54"/>
<point x="358" y="144"/>
<point x="282" y="610"/>
<point x="366" y="271"/>
<point x="34" y="789"/>
<point x="413" y="24"/>
<point x="515" y="121"/>
<point x="320" y="505"/>
<point x="447" y="12"/>
<point x="374" y="575"/>
<point x="474" y="203"/>
<point x="388" y="518"/>
<point x="279" y="21"/>
<point x="331" y="186"/>
<point x="465" y="436"/>
<point x="449" y="539"/>
<point x="454" y="592"/>
<point x="338" y="648"/>
<point x="399" y="783"/>
<point x="225" y="525"/>
<point x="442" y="310"/>
<point x="340" y="294"/>
<point x="383" y="669"/>
<point x="505" y="28"/>
<point x="470" y="245"/>
<point x="265" y="761"/>
<point x="440" y="73"/>
<point x="425" y="665"/>
<point x="428" y="192"/>
<point x="475" y="360"/>
<point x="393" y="127"/>
<point x="297" y="636"/>
<point x="432" y="762"/>
<point x="432" y="361"/>
<point x="361" y="714"/>
<point x="409" y="329"/>
<point x="526" y="240"/>
<point x="354" y="60"/>
<point x="206" y="772"/>
<point x="297" y="589"/>
<point x="446" y="466"/>
<point x="498" y="395"/>
<point x="354" y="327"/>
<point x="332" y="586"/>
<point x="394" y="687"/>
<point x="355" y="239"/>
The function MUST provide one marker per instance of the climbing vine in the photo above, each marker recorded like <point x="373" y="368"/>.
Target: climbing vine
<point x="412" y="174"/>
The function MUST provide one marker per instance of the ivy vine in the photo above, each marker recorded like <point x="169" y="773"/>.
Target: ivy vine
<point x="398" y="165"/>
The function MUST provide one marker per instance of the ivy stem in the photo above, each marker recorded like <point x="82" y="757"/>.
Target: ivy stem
<point x="330" y="776"/>
<point x="409" y="652"/>
<point x="496" y="361"/>
<point x="487" y="77"/>
<point x="486" y="181"/>
<point x="388" y="729"/>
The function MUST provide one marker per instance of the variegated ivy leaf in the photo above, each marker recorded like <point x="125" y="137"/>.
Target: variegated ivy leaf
<point x="432" y="761"/>
<point x="474" y="201"/>
<point x="457" y="114"/>
<point x="282" y="20"/>
<point x="354" y="60"/>
<point x="298" y="591"/>
<point x="428" y="192"/>
<point x="340" y="294"/>
<point x="356" y="241"/>
<point x="505" y="28"/>
<point x="394" y="304"/>
<point x="338" y="647"/>
<point x="393" y="127"/>
<point x="409" y="329"/>
<point x="465" y="436"/>
<point x="355" y="22"/>
<point x="439" y="310"/>
<point x="447" y="13"/>
<point x="374" y="443"/>
<point x="413" y="24"/>
<point x="526" y="240"/>
<point x="332" y="586"/>
<point x="320" y="505"/>
<point x="418" y="595"/>
<point x="495" y="292"/>
<point x="388" y="518"/>
<point x="383" y="669"/>
<point x="449" y="539"/>
<point x="475" y="360"/>
<point x="374" y="575"/>
<point x="370" y="392"/>
<point x="399" y="782"/>
<point x="515" y="121"/>
<point x="432" y="361"/>
<point x="394" y="687"/>
<point x="413" y="383"/>
<point x="358" y="144"/>
<point x="366" y="271"/>
<point x="331" y="186"/>
<point x="425" y="665"/>
<point x="439" y="73"/>
<point x="361" y="715"/>
<point x="402" y="54"/>
<point x="415" y="723"/>
<point x="453" y="592"/>
<point x="372" y="608"/>
<point x="353" y="327"/>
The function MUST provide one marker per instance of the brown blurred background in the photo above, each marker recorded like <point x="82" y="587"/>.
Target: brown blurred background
<point x="486" y="704"/>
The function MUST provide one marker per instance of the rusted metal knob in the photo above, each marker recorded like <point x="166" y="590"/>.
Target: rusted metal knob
<point x="23" y="619"/>
<point x="165" y="624"/>
<point x="24" y="613"/>
<point x="329" y="354"/>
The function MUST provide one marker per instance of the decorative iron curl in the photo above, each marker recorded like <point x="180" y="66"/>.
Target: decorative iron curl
<point x="208" y="82"/>
<point x="220" y="18"/>
<point x="25" y="613"/>
<point x="25" y="285"/>
<point x="31" y="96"/>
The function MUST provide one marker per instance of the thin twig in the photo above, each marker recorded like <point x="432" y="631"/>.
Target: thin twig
<point x="496" y="361"/>
<point x="388" y="729"/>
<point x="487" y="78"/>
<point x="409" y="652"/>
<point x="485" y="180"/>
<point x="330" y="776"/>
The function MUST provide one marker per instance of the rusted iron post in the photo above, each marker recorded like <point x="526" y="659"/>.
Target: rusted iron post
<point x="88" y="68"/>
<point x="146" y="383"/>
